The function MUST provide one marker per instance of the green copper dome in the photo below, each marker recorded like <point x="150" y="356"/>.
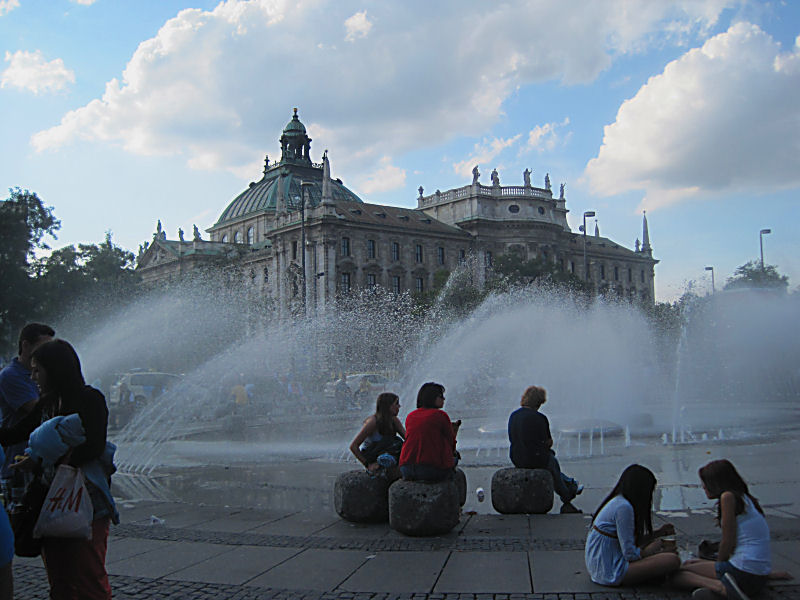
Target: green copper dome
<point x="294" y="127"/>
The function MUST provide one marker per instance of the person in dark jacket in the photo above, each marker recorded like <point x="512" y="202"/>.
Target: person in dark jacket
<point x="76" y="567"/>
<point x="531" y="445"/>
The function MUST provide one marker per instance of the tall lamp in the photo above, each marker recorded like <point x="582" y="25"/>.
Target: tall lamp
<point x="588" y="213"/>
<point x="761" y="235"/>
<point x="713" y="291"/>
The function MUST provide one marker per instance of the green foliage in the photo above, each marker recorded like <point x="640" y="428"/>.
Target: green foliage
<point x="751" y="275"/>
<point x="511" y="269"/>
<point x="24" y="223"/>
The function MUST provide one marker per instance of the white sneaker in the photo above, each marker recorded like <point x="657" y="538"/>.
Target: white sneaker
<point x="738" y="594"/>
<point x="704" y="594"/>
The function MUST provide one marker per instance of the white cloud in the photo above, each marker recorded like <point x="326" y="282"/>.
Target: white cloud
<point x="29" y="71"/>
<point x="6" y="6"/>
<point x="723" y="117"/>
<point x="213" y="86"/>
<point x="483" y="154"/>
<point x="387" y="177"/>
<point x="545" y="137"/>
<point x="84" y="2"/>
<point x="357" y="26"/>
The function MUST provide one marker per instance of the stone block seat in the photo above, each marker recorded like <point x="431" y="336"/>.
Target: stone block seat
<point x="360" y="498"/>
<point x="522" y="491"/>
<point x="420" y="508"/>
<point x="460" y="479"/>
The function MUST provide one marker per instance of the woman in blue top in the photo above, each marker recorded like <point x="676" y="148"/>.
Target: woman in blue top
<point x="743" y="564"/>
<point x="622" y="548"/>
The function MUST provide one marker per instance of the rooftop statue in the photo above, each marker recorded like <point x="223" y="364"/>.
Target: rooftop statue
<point x="561" y="193"/>
<point x="421" y="189"/>
<point x="180" y="234"/>
<point x="196" y="233"/>
<point x="526" y="177"/>
<point x="475" y="175"/>
<point x="547" y="181"/>
<point x="495" y="178"/>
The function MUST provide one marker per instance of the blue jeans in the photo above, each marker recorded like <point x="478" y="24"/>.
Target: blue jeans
<point x="751" y="584"/>
<point x="564" y="486"/>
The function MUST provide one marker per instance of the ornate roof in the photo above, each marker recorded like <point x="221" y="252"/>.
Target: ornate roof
<point x="284" y="179"/>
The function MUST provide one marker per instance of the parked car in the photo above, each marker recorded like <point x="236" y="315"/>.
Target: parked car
<point x="135" y="389"/>
<point x="360" y="385"/>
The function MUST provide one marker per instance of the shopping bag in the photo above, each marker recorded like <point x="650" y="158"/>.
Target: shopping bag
<point x="67" y="510"/>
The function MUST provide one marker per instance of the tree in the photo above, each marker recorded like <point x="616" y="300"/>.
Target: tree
<point x="512" y="269"/>
<point x="751" y="275"/>
<point x="24" y="223"/>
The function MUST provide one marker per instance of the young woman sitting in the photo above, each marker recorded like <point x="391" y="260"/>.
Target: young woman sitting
<point x="622" y="549"/>
<point x="381" y="437"/>
<point x="743" y="564"/>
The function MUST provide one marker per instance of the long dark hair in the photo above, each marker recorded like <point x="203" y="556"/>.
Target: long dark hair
<point x="62" y="368"/>
<point x="383" y="413"/>
<point x="721" y="476"/>
<point x="636" y="485"/>
<point x="428" y="394"/>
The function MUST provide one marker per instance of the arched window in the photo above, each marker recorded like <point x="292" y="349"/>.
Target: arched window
<point x="250" y="236"/>
<point x="225" y="238"/>
<point x="236" y="237"/>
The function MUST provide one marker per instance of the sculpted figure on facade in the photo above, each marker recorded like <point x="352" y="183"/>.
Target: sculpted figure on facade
<point x="475" y="175"/>
<point x="526" y="177"/>
<point x="196" y="233"/>
<point x="561" y="193"/>
<point x="421" y="189"/>
<point x="180" y="234"/>
<point x="495" y="178"/>
<point x="547" y="181"/>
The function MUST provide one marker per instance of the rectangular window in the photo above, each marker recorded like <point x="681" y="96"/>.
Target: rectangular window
<point x="420" y="285"/>
<point x="345" y="246"/>
<point x="572" y="267"/>
<point x="418" y="253"/>
<point x="395" y="251"/>
<point x="616" y="273"/>
<point x="630" y="275"/>
<point x="396" y="284"/>
<point x="440" y="255"/>
<point x="487" y="259"/>
<point x="560" y="264"/>
<point x="642" y="275"/>
<point x="602" y="271"/>
<point x="462" y="255"/>
<point x="372" y="279"/>
<point x="370" y="248"/>
<point x="294" y="250"/>
<point x="344" y="282"/>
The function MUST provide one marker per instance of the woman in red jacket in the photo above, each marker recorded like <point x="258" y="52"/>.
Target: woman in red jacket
<point x="429" y="452"/>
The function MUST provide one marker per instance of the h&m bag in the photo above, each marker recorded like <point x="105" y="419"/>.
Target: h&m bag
<point x="67" y="510"/>
<point x="23" y="518"/>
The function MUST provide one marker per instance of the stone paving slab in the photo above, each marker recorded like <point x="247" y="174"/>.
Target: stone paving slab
<point x="301" y="523"/>
<point x="498" y="525"/>
<point x="313" y="569"/>
<point x="485" y="572"/>
<point x="557" y="572"/>
<point x="397" y="572"/>
<point x="236" y="566"/>
<point x="166" y="558"/>
<point x="126" y="548"/>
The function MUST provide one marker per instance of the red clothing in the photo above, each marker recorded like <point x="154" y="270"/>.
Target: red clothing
<point x="76" y="568"/>
<point x="429" y="439"/>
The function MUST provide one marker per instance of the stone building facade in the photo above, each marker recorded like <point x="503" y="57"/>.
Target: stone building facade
<point x="300" y="237"/>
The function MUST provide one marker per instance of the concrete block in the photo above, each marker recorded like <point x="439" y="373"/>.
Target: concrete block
<point x="522" y="491"/>
<point x="360" y="498"/>
<point x="421" y="508"/>
<point x="460" y="479"/>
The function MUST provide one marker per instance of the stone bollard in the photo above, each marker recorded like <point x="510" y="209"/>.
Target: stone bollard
<point x="420" y="508"/>
<point x="522" y="491"/>
<point x="460" y="479"/>
<point x="360" y="498"/>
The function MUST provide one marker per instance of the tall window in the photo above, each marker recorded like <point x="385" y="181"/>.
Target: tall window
<point x="344" y="282"/>
<point x="630" y="275"/>
<point x="420" y="285"/>
<point x="602" y="271"/>
<point x="250" y="236"/>
<point x="294" y="250"/>
<point x="396" y="284"/>
<point x="642" y="275"/>
<point x="395" y="251"/>
<point x="487" y="259"/>
<point x="440" y="255"/>
<point x="224" y="239"/>
<point x="572" y="267"/>
<point x="237" y="237"/>
<point x="616" y="273"/>
<point x="418" y="253"/>
<point x="372" y="279"/>
<point x="345" y="246"/>
<point x="462" y="255"/>
<point x="370" y="248"/>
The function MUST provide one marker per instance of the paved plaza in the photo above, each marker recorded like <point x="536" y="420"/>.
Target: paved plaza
<point x="194" y="549"/>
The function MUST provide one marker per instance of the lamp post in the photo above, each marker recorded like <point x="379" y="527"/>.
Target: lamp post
<point x="588" y="213"/>
<point x="761" y="235"/>
<point x="713" y="291"/>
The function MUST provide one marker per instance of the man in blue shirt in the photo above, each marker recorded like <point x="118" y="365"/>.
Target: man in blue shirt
<point x="18" y="396"/>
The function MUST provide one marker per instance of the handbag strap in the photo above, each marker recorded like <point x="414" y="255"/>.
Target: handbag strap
<point x="605" y="533"/>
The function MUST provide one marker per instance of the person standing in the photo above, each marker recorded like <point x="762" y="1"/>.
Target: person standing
<point x="18" y="397"/>
<point x="531" y="445"/>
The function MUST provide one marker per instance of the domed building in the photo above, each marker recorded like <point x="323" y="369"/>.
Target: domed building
<point x="300" y="237"/>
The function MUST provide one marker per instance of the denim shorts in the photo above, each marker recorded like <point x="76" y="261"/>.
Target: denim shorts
<point x="751" y="584"/>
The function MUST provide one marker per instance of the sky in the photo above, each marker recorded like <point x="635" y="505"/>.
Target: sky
<point x="121" y="112"/>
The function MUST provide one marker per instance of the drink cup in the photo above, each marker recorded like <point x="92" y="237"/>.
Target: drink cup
<point x="669" y="543"/>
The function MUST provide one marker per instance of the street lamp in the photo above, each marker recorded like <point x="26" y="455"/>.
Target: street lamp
<point x="712" y="279"/>
<point x="761" y="235"/>
<point x="588" y="213"/>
